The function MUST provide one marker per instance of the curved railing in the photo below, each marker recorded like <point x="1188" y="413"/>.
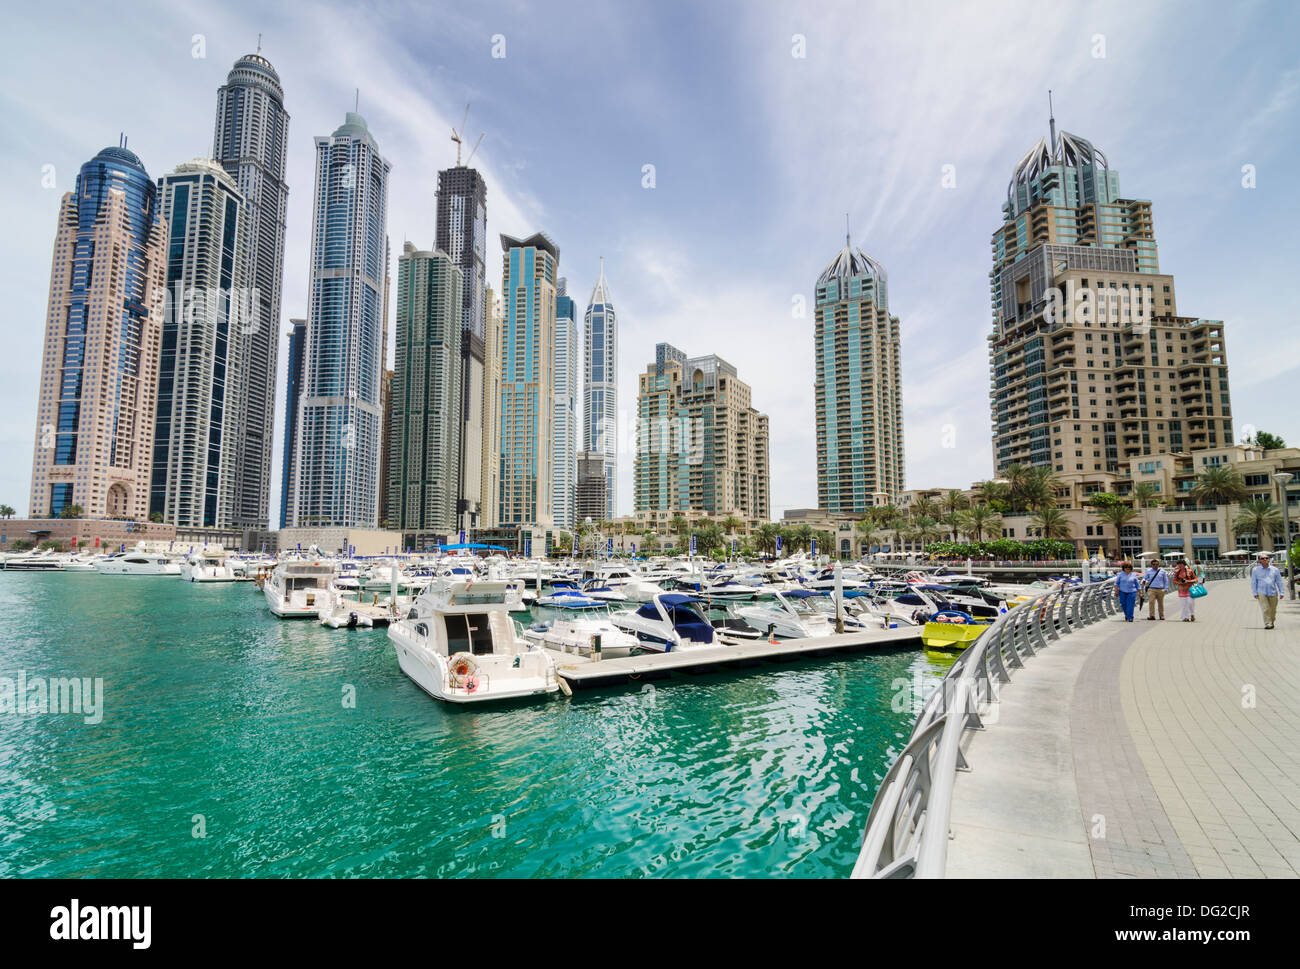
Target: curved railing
<point x="907" y="829"/>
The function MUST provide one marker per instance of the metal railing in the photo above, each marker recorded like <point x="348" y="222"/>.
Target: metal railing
<point x="907" y="829"/>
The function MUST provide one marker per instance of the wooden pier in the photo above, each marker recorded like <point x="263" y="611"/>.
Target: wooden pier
<point x="582" y="672"/>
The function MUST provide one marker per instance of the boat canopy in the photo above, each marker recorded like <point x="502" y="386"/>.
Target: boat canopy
<point x="803" y="593"/>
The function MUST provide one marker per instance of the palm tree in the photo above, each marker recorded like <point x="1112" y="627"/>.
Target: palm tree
<point x="979" y="518"/>
<point x="6" y="511"/>
<point x="649" y="541"/>
<point x="866" y="530"/>
<point x="925" y="508"/>
<point x="954" y="501"/>
<point x="802" y="535"/>
<point x="1261" y="518"/>
<point x="955" y="521"/>
<point x="1052" y="523"/>
<point x="1220" y="485"/>
<point x="884" y="513"/>
<point x="679" y="525"/>
<point x="927" y="529"/>
<point x="765" y="537"/>
<point x="731" y="524"/>
<point x="896" y="525"/>
<point x="1146" y="494"/>
<point x="990" y="491"/>
<point x="1118" y="515"/>
<point x="71" y="511"/>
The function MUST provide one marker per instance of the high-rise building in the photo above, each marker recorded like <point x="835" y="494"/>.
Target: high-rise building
<point x="424" y="465"/>
<point x="490" y="457"/>
<point x="589" y="492"/>
<point x="339" y="435"/>
<point x="600" y="385"/>
<point x="296" y="358"/>
<point x="462" y="235"/>
<point x="564" y="462"/>
<point x="526" y="418"/>
<point x="701" y="446"/>
<point x="251" y="144"/>
<point x="206" y="341"/>
<point x="1091" y="364"/>
<point x="103" y="330"/>
<point x="858" y="387"/>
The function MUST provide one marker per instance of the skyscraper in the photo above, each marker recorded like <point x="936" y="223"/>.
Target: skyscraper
<point x="103" y="329"/>
<point x="297" y="359"/>
<point x="858" y="387"/>
<point x="1091" y="364"/>
<point x="526" y="419"/>
<point x="462" y="235"/>
<point x="250" y="143"/>
<point x="701" y="445"/>
<point x="340" y="412"/>
<point x="424" y="464"/>
<point x="564" y="462"/>
<point x="600" y="385"/>
<point x="490" y="458"/>
<point x="206" y="341"/>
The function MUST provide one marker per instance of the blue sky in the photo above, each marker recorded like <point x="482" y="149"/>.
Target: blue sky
<point x="758" y="155"/>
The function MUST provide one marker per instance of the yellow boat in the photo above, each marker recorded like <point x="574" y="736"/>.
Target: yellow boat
<point x="951" y="629"/>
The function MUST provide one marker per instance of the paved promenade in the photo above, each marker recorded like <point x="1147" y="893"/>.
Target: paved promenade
<point x="1150" y="749"/>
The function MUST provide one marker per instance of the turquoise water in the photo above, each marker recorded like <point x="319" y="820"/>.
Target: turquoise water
<point x="222" y="721"/>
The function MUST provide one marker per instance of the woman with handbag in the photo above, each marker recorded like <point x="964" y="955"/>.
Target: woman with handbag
<point x="1184" y="579"/>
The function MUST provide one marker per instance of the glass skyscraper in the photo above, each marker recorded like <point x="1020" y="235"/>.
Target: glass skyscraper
<point x="297" y="357"/>
<point x="600" y="385"/>
<point x="336" y="481"/>
<point x="564" y="464"/>
<point x="103" y="329"/>
<point x="206" y="343"/>
<point x="526" y="417"/>
<point x="858" y="387"/>
<point x="250" y="143"/>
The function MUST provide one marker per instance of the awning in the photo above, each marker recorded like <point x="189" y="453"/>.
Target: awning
<point x="1210" y="541"/>
<point x="1173" y="541"/>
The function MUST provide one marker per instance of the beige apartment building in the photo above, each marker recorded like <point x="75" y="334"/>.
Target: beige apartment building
<point x="701" y="445"/>
<point x="103" y="329"/>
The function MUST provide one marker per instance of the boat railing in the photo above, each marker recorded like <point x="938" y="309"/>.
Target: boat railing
<point x="908" y="827"/>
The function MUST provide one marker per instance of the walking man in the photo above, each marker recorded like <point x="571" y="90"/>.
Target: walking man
<point x="1266" y="586"/>
<point x="1126" y="587"/>
<point x="1156" y="582"/>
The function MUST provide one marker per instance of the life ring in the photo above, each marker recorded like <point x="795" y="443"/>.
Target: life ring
<point x="462" y="670"/>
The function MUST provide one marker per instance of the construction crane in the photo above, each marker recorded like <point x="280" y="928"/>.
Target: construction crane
<point x="459" y="135"/>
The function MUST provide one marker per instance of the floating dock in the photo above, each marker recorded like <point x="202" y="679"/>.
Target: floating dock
<point x="582" y="672"/>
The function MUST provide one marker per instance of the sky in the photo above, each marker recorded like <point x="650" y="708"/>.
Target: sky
<point x="766" y="123"/>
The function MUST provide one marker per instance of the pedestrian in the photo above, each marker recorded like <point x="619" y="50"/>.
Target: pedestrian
<point x="1156" y="583"/>
<point x="1126" y="587"/>
<point x="1266" y="586"/>
<point x="1184" y="579"/>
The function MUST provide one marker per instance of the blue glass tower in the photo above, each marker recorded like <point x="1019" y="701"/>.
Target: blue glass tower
<point x="600" y="394"/>
<point x="297" y="356"/>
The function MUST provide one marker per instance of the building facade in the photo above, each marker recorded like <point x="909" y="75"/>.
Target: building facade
<point x="462" y="235"/>
<point x="600" y="385"/>
<point x="1091" y="363"/>
<point x="296" y="359"/>
<point x="340" y="411"/>
<point x="424" y="464"/>
<point x="858" y="387"/>
<point x="526" y="418"/>
<point x="103" y="333"/>
<point x="564" y="466"/>
<point x="206" y="346"/>
<point x="590" y="499"/>
<point x="701" y="445"/>
<point x="251" y="143"/>
<point x="489" y="457"/>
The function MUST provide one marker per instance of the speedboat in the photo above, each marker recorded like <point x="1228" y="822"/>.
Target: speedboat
<point x="459" y="644"/>
<point x="952" y="629"/>
<point x="791" y="615"/>
<point x="339" y="612"/>
<point x="669" y="621"/>
<point x="295" y="590"/>
<point x="576" y="631"/>
<point x="138" y="563"/>
<point x="598" y="589"/>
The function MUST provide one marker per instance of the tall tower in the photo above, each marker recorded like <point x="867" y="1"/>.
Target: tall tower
<point x="564" y="462"/>
<point x="103" y="331"/>
<point x="858" y="388"/>
<point x="340" y="411"/>
<point x="490" y="458"/>
<point x="424" y="464"/>
<point x="462" y="235"/>
<point x="206" y="342"/>
<point x="600" y="385"/>
<point x="1091" y="365"/>
<point x="527" y="410"/>
<point x="297" y="359"/>
<point x="250" y="143"/>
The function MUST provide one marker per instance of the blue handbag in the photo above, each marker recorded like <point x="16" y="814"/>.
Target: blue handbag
<point x="1197" y="591"/>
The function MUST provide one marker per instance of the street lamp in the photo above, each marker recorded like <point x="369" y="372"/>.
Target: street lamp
<point x="1283" y="478"/>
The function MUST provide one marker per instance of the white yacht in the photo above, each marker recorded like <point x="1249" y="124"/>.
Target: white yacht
<point x="458" y="643"/>
<point x="138" y="563"/>
<point x="669" y="621"/>
<point x="575" y="631"/>
<point x="208" y="567"/>
<point x="295" y="590"/>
